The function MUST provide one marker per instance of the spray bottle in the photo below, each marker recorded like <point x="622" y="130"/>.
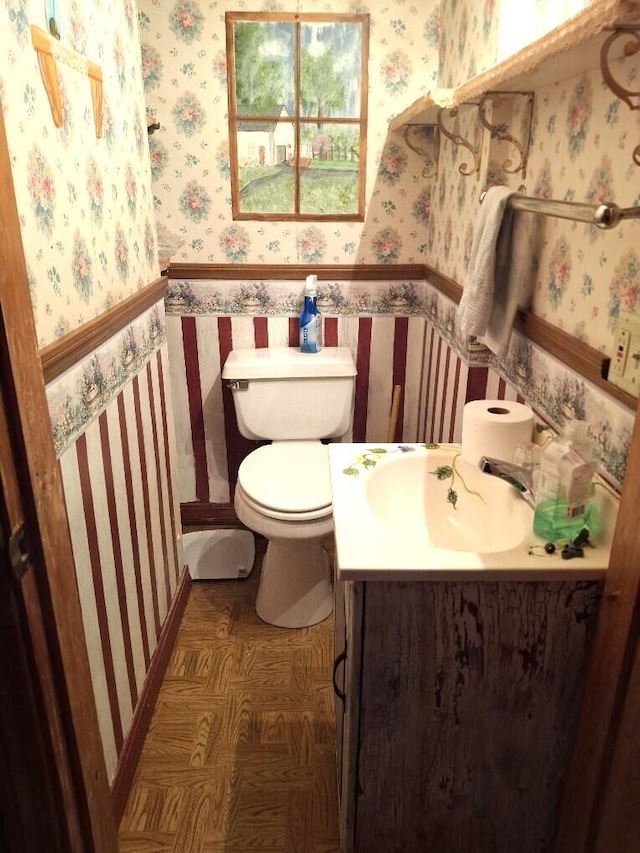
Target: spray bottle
<point x="310" y="318"/>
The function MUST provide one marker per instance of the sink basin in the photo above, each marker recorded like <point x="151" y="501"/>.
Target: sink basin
<point x="458" y="507"/>
<point x="421" y="512"/>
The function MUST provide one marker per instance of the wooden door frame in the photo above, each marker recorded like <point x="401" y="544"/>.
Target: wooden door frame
<point x="45" y="598"/>
<point x="595" y="783"/>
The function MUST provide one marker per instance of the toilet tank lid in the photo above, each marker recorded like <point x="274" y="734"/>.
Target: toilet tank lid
<point x="288" y="363"/>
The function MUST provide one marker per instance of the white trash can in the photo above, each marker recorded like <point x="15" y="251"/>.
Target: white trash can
<point x="219" y="554"/>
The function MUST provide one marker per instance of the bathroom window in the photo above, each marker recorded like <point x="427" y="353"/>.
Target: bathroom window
<point x="297" y="87"/>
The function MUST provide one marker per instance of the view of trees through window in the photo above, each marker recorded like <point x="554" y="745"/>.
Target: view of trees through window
<point x="297" y="115"/>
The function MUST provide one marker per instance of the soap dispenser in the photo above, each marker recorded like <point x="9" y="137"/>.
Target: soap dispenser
<point x="310" y="318"/>
<point x="563" y="494"/>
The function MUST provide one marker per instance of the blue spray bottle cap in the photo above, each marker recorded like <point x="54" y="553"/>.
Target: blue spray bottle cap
<point x="310" y="287"/>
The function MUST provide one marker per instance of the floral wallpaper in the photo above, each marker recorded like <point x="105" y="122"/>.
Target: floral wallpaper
<point x="184" y="72"/>
<point x="581" y="149"/>
<point x="576" y="276"/>
<point x="582" y="138"/>
<point x="85" y="204"/>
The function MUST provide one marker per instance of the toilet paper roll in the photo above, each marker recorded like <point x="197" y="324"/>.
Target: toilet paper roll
<point x="493" y="428"/>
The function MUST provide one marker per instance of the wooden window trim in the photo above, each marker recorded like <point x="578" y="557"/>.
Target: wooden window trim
<point x="362" y="121"/>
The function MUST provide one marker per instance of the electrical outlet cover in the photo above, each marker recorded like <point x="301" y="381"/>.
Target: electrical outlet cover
<point x="624" y="371"/>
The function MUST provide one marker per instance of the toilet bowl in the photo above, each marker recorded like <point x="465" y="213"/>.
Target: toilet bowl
<point x="294" y="400"/>
<point x="284" y="493"/>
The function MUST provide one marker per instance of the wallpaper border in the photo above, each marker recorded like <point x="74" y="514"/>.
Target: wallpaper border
<point x="556" y="390"/>
<point x="79" y="395"/>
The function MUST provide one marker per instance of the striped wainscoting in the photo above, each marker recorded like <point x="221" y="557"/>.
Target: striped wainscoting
<point x="122" y="515"/>
<point x="449" y="383"/>
<point x="388" y="350"/>
<point x="445" y="378"/>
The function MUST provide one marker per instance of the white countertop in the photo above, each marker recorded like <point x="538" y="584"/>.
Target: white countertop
<point x="367" y="548"/>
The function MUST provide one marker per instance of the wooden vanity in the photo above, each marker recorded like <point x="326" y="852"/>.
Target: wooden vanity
<point x="460" y="706"/>
<point x="458" y="673"/>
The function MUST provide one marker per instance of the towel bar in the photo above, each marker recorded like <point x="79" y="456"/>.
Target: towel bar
<point x="602" y="215"/>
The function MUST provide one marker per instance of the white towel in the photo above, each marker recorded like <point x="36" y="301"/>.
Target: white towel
<point x="516" y="290"/>
<point x="487" y="279"/>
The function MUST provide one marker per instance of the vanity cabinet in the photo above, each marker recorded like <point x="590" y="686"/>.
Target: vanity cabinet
<point x="460" y="704"/>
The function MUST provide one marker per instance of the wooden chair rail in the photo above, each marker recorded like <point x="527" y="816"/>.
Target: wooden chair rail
<point x="579" y="356"/>
<point x="62" y="354"/>
<point x="296" y="272"/>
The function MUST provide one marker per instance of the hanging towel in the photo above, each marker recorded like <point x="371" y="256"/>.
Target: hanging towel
<point x="512" y="291"/>
<point x="488" y="270"/>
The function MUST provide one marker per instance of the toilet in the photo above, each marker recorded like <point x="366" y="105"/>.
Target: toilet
<point x="294" y="400"/>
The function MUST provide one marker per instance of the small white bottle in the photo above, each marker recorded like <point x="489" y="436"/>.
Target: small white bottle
<point x="563" y="494"/>
<point x="310" y="318"/>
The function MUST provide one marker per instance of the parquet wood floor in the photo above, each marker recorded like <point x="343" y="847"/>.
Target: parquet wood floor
<point x="240" y="753"/>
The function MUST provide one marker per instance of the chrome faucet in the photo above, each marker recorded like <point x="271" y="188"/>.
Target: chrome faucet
<point x="517" y="476"/>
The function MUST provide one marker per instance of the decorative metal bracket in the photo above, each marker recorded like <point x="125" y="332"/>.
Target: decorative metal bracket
<point x="459" y="140"/>
<point x="631" y="47"/>
<point x="432" y="158"/>
<point x="499" y="131"/>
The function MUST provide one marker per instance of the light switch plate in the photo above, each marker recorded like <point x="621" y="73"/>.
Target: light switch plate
<point x="625" y="359"/>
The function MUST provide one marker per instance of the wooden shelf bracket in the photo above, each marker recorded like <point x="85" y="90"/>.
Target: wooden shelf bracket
<point x="50" y="51"/>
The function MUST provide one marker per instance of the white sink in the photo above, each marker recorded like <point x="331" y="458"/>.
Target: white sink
<point x="421" y="512"/>
<point x="456" y="506"/>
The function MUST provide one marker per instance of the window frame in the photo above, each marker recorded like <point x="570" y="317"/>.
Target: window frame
<point x="297" y="120"/>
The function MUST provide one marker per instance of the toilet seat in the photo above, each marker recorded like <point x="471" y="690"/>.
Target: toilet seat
<point x="288" y="480"/>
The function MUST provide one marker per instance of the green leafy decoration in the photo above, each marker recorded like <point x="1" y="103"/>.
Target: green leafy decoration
<point x="373" y="455"/>
<point x="443" y="472"/>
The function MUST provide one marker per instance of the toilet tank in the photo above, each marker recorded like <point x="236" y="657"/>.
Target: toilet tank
<point x="282" y="394"/>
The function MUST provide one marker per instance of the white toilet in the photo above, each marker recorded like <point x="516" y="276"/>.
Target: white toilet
<point x="283" y="492"/>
